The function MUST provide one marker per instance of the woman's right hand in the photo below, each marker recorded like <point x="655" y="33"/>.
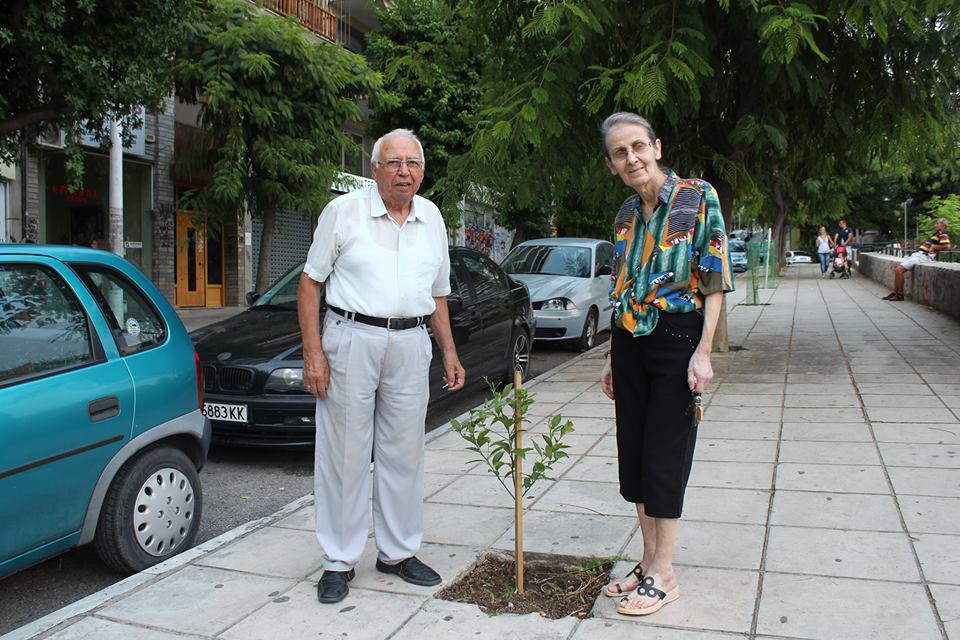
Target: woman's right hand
<point x="606" y="379"/>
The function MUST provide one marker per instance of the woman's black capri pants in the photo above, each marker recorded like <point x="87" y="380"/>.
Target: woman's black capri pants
<point x="656" y="426"/>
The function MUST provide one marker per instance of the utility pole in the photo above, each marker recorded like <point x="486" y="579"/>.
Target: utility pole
<point x="116" y="189"/>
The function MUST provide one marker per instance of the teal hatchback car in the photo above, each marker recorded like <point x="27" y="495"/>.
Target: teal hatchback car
<point x="100" y="412"/>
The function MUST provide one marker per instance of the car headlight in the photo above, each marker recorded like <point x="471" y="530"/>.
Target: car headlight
<point x="558" y="304"/>
<point x="283" y="380"/>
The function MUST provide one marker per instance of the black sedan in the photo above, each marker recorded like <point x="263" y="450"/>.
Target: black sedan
<point x="253" y="362"/>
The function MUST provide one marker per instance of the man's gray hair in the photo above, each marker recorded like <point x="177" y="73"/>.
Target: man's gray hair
<point x="944" y="221"/>
<point x="623" y="117"/>
<point x="396" y="133"/>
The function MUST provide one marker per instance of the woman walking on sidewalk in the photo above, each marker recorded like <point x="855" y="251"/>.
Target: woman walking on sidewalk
<point x="824" y="250"/>
<point x="670" y="271"/>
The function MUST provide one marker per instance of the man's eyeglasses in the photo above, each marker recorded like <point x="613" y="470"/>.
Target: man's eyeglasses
<point x="622" y="153"/>
<point x="393" y="164"/>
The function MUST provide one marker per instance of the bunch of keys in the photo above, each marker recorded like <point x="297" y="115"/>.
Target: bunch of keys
<point x="698" y="406"/>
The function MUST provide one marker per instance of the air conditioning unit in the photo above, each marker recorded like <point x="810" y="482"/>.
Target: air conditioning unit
<point x="51" y="136"/>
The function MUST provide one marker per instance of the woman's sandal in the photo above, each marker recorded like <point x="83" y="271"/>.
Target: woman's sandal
<point x="613" y="591"/>
<point x="648" y="590"/>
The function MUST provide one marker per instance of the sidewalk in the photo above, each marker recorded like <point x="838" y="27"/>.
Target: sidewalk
<point x="824" y="503"/>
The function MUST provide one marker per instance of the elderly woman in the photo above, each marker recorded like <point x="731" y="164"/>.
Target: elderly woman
<point x="669" y="274"/>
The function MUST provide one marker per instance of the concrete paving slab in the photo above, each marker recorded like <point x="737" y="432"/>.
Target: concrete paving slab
<point x="925" y="514"/>
<point x="732" y="475"/>
<point x="540" y="409"/>
<point x="450" y="561"/>
<point x="869" y="388"/>
<point x="939" y="557"/>
<point x="746" y="400"/>
<point x="926" y="482"/>
<point x="947" y="600"/>
<point x="850" y="554"/>
<point x="592" y="426"/>
<point x="272" y="551"/>
<point x="818" y="378"/>
<point x="832" y="478"/>
<point x="604" y="629"/>
<point x="579" y="444"/>
<point x="605" y="447"/>
<point x="942" y="416"/>
<point x="751" y="388"/>
<point x="807" y="401"/>
<point x="587" y="410"/>
<point x="875" y="401"/>
<point x="829" y="452"/>
<point x="738" y="506"/>
<point x="916" y="433"/>
<point x="710" y="599"/>
<point x="711" y="544"/>
<point x="567" y="533"/>
<point x="745" y="414"/>
<point x="920" y="455"/>
<point x="542" y="394"/>
<point x="594" y="469"/>
<point x="464" y="524"/>
<point x="820" y="607"/>
<point x="456" y="462"/>
<point x="303" y="519"/>
<point x="835" y="511"/>
<point x="735" y="450"/>
<point x="199" y="600"/>
<point x="825" y="416"/>
<point x="442" y="619"/>
<point x="434" y="482"/>
<point x="738" y="430"/>
<point x="596" y="396"/>
<point x="481" y="491"/>
<point x="862" y="378"/>
<point x="100" y="629"/>
<point x="827" y="432"/>
<point x="575" y="496"/>
<point x="364" y="615"/>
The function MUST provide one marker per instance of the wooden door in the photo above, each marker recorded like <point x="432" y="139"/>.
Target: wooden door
<point x="191" y="261"/>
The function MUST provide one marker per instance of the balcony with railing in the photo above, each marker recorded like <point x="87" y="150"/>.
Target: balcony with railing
<point x="319" y="16"/>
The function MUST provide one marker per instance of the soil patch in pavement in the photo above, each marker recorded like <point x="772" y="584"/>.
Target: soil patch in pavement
<point x="554" y="586"/>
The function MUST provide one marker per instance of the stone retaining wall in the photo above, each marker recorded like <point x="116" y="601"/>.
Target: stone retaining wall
<point x="936" y="284"/>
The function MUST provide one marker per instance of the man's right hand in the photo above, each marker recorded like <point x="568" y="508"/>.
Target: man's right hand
<point x="316" y="374"/>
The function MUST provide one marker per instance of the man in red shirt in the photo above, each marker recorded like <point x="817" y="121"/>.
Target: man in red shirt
<point x="926" y="253"/>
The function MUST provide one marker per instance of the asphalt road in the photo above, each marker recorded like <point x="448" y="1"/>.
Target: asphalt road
<point x="239" y="485"/>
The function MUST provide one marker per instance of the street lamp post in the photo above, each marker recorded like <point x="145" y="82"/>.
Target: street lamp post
<point x="905" y="203"/>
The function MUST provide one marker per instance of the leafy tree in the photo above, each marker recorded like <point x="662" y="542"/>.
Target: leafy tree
<point x="273" y="99"/>
<point x="433" y="75"/>
<point x="67" y="61"/>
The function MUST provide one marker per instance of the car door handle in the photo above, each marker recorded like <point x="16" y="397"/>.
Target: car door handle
<point x="103" y="408"/>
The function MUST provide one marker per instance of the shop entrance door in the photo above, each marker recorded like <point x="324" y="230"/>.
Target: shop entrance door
<point x="191" y="261"/>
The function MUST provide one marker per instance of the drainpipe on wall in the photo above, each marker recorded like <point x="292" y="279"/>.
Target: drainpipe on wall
<point x="24" y="216"/>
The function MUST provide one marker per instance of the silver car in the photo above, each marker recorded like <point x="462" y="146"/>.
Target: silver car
<point x="569" y="283"/>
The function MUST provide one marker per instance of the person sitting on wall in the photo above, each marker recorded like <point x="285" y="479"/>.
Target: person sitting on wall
<point x="926" y="253"/>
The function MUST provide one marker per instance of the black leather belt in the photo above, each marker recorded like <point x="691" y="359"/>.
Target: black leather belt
<point x="395" y="324"/>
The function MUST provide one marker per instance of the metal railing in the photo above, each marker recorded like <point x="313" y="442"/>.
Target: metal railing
<point x="318" y="16"/>
<point x="944" y="255"/>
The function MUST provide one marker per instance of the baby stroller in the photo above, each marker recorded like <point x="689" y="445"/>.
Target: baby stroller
<point x="839" y="266"/>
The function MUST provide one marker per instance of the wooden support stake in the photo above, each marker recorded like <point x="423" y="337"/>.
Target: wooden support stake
<point x="518" y="478"/>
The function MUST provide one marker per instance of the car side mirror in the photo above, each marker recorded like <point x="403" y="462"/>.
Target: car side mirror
<point x="252" y="296"/>
<point x="454" y="305"/>
<point x="605" y="270"/>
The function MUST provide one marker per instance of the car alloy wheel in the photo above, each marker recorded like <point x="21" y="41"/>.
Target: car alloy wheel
<point x="589" y="336"/>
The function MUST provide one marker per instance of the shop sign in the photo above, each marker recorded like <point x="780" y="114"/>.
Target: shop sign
<point x="75" y="196"/>
<point x="132" y="244"/>
<point x="137" y="144"/>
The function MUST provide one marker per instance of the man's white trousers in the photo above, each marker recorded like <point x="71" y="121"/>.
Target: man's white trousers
<point x="376" y="401"/>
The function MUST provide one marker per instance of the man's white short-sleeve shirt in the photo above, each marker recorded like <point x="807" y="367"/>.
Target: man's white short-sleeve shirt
<point x="374" y="266"/>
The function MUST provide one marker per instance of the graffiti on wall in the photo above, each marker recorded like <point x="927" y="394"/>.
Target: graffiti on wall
<point x="164" y="226"/>
<point x="478" y="236"/>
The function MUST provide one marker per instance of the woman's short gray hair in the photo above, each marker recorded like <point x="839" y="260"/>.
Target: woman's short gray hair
<point x="396" y="133"/>
<point x="623" y="117"/>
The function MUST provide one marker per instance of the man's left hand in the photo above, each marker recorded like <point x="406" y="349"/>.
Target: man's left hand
<point x="453" y="373"/>
<point x="699" y="372"/>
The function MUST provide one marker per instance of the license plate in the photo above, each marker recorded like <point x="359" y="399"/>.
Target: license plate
<point x="225" y="412"/>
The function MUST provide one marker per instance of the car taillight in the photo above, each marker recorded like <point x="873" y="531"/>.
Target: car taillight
<point x="196" y="360"/>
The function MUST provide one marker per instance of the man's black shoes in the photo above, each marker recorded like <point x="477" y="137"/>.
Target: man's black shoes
<point x="413" y="571"/>
<point x="333" y="586"/>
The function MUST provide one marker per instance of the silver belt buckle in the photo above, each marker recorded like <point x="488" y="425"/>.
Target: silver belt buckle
<point x="390" y="322"/>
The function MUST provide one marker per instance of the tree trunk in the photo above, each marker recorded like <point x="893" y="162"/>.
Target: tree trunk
<point x="784" y="207"/>
<point x="266" y="246"/>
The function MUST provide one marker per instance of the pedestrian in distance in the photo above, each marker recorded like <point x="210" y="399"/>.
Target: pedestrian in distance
<point x="927" y="252"/>
<point x="670" y="272"/>
<point x="842" y="238"/>
<point x="824" y="250"/>
<point x="380" y="256"/>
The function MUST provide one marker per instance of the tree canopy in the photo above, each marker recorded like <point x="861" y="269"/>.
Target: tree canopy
<point x="68" y="61"/>
<point x="273" y="100"/>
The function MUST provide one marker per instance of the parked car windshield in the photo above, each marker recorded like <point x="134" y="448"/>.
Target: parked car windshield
<point x="549" y="260"/>
<point x="737" y="246"/>
<point x="283" y="293"/>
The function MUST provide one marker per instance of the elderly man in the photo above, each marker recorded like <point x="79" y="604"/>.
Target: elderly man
<point x="381" y="253"/>
<point x="927" y="252"/>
